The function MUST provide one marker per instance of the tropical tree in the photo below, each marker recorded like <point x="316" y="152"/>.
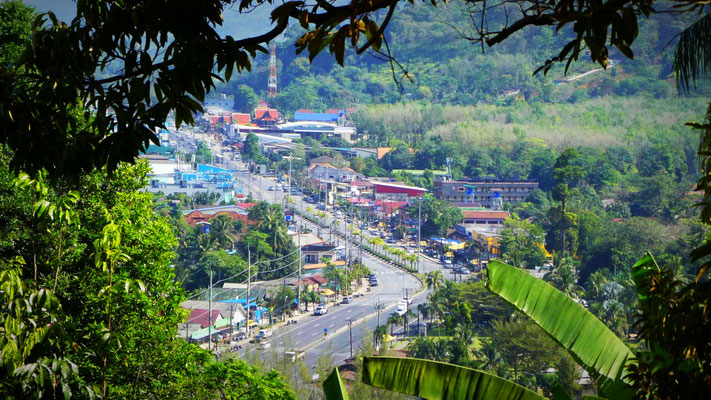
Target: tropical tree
<point x="394" y="319"/>
<point x="565" y="278"/>
<point x="434" y="280"/>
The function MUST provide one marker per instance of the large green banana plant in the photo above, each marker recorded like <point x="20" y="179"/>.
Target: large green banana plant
<point x="430" y="380"/>
<point x="595" y="347"/>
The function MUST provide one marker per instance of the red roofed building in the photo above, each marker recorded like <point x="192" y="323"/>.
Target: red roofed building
<point x="305" y="110"/>
<point x="241" y="118"/>
<point x="266" y="116"/>
<point x="246" y="206"/>
<point x="198" y="316"/>
<point x="196" y="216"/>
<point x="485" y="217"/>
<point x="396" y="191"/>
<point x="333" y="111"/>
<point x="388" y="206"/>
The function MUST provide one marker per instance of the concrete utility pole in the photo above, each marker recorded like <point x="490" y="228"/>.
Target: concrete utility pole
<point x="378" y="308"/>
<point x="249" y="286"/>
<point x="419" y="228"/>
<point x="209" y="316"/>
<point x="300" y="228"/>
<point x="350" y="334"/>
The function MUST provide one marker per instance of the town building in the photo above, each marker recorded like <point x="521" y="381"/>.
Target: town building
<point x="484" y="191"/>
<point x="222" y="101"/>
<point x="396" y="190"/>
<point x="329" y="172"/>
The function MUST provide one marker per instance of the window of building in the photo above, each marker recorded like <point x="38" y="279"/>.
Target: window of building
<point x="460" y="188"/>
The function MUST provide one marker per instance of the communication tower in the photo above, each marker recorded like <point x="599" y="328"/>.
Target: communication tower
<point x="272" y="83"/>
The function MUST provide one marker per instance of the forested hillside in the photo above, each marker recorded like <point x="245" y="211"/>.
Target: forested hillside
<point x="445" y="68"/>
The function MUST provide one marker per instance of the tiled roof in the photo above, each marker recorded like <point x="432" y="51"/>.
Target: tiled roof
<point x="305" y="110"/>
<point x="266" y="114"/>
<point x="241" y="118"/>
<point x="332" y="111"/>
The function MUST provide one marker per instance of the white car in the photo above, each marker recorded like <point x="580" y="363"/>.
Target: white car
<point x="271" y="188"/>
<point x="265" y="333"/>
<point x="407" y="299"/>
<point x="264" y="346"/>
<point x="401" y="308"/>
<point x="321" y="310"/>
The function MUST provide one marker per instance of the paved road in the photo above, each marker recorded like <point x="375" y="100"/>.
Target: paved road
<point x="308" y="334"/>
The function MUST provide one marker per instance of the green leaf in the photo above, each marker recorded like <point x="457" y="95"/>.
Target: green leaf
<point x="333" y="387"/>
<point x="437" y="380"/>
<point x="586" y="338"/>
<point x="559" y="393"/>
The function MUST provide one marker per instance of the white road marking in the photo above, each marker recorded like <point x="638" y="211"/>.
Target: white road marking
<point x="331" y="326"/>
<point x="314" y="334"/>
<point x="334" y="317"/>
<point x="316" y="325"/>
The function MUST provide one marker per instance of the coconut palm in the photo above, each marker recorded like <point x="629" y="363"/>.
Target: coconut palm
<point x="394" y="319"/>
<point x="565" y="278"/>
<point x="434" y="280"/>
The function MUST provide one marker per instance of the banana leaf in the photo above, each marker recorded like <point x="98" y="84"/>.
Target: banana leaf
<point x="586" y="338"/>
<point x="641" y="272"/>
<point x="436" y="380"/>
<point x="333" y="387"/>
<point x="559" y="393"/>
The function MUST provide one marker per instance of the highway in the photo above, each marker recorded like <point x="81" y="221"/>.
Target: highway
<point x="309" y="333"/>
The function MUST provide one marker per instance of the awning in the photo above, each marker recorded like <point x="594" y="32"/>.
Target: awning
<point x="327" y="292"/>
<point x="252" y="323"/>
<point x="202" y="333"/>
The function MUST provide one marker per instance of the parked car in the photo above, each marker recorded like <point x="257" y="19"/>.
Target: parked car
<point x="464" y="271"/>
<point x="265" y="333"/>
<point x="447" y="263"/>
<point x="271" y="188"/>
<point x="373" y="282"/>
<point x="408" y="299"/>
<point x="321" y="310"/>
<point x="347" y="300"/>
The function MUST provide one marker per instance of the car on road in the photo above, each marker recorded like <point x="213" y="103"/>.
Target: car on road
<point x="392" y="241"/>
<point x="374" y="282"/>
<point x="464" y="271"/>
<point x="347" y="300"/>
<point x="264" y="346"/>
<point x="401" y="307"/>
<point x="271" y="188"/>
<point x="321" y="310"/>
<point x="447" y="263"/>
<point x="408" y="299"/>
<point x="265" y="333"/>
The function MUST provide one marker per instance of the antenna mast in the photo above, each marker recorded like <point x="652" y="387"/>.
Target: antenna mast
<point x="272" y="83"/>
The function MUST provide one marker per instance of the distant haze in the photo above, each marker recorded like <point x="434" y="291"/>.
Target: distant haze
<point x="237" y="25"/>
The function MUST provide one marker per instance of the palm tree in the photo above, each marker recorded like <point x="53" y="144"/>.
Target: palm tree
<point x="565" y="279"/>
<point x="379" y="335"/>
<point x="406" y="321"/>
<point x="394" y="319"/>
<point x="222" y="230"/>
<point x="422" y="309"/>
<point x="434" y="280"/>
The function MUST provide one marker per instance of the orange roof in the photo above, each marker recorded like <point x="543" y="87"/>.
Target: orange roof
<point x="485" y="214"/>
<point x="266" y="114"/>
<point x="332" y="111"/>
<point x="305" y="110"/>
<point x="241" y="118"/>
<point x="195" y="217"/>
<point x="382" y="151"/>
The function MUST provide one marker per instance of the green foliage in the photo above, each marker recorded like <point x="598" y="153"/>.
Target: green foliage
<point x="435" y="380"/>
<point x="588" y="341"/>
<point x="521" y="243"/>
